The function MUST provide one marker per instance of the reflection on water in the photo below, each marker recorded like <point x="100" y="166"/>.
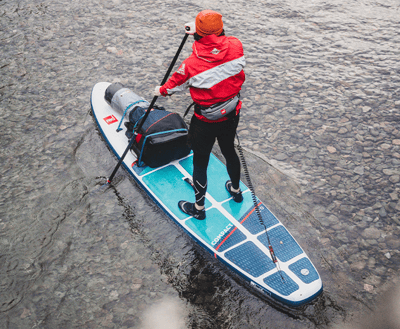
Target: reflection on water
<point x="168" y="314"/>
<point x="320" y="126"/>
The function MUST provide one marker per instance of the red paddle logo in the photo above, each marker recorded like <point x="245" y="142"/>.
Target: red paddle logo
<point x="110" y="119"/>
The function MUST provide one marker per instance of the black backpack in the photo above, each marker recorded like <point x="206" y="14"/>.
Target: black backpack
<point x="162" y="138"/>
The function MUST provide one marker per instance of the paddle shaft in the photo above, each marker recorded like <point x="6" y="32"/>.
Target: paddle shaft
<point x="148" y="110"/>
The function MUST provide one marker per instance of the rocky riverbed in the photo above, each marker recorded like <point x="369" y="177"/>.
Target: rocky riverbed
<point x="321" y="129"/>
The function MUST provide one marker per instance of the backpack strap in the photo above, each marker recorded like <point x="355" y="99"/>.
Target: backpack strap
<point x="126" y="110"/>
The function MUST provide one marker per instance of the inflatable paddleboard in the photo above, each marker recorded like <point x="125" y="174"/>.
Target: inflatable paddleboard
<point x="231" y="231"/>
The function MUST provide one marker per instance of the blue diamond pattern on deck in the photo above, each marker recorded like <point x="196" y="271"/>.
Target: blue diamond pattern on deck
<point x="284" y="245"/>
<point x="285" y="287"/>
<point x="256" y="265"/>
<point x="304" y="265"/>
<point x="234" y="237"/>
<point x="251" y="222"/>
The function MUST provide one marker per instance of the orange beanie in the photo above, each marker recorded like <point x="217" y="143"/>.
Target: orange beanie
<point x="209" y="22"/>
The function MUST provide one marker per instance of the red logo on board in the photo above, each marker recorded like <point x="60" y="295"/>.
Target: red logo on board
<point x="110" y="119"/>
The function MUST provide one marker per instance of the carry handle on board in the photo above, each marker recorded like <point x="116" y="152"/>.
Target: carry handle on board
<point x="148" y="111"/>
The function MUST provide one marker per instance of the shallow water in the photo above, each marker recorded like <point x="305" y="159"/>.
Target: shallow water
<point x="320" y="127"/>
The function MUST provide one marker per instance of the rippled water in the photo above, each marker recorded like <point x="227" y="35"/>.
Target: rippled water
<point x="322" y="134"/>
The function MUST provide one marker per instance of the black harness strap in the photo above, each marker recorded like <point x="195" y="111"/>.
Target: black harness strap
<point x="188" y="109"/>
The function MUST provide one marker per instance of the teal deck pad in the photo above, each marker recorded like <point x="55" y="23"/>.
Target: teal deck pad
<point x="285" y="246"/>
<point x="304" y="270"/>
<point x="251" y="222"/>
<point x="285" y="286"/>
<point x="214" y="229"/>
<point x="146" y="169"/>
<point x="216" y="177"/>
<point x="168" y="185"/>
<point x="257" y="265"/>
<point x="238" y="210"/>
<point x="141" y="170"/>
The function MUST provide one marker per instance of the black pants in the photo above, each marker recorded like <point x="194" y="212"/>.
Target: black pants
<point x="202" y="137"/>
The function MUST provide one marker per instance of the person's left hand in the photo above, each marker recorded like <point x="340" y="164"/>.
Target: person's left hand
<point x="157" y="91"/>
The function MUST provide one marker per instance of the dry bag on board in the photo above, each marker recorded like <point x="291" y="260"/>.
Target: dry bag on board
<point x="123" y="99"/>
<point x="162" y="137"/>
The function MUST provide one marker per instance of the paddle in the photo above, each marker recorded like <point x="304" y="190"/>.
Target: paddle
<point x="148" y="110"/>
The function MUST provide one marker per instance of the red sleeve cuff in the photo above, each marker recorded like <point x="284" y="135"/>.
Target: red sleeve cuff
<point x="163" y="91"/>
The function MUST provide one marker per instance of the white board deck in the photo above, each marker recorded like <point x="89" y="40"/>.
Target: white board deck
<point x="231" y="231"/>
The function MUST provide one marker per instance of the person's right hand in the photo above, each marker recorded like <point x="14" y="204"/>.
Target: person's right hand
<point x="190" y="28"/>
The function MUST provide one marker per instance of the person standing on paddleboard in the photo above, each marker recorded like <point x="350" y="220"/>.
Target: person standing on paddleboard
<point x="214" y="74"/>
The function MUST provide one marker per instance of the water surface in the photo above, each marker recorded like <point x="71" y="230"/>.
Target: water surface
<point x="320" y="126"/>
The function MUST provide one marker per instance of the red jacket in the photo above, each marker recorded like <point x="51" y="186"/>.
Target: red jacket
<point x="213" y="72"/>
